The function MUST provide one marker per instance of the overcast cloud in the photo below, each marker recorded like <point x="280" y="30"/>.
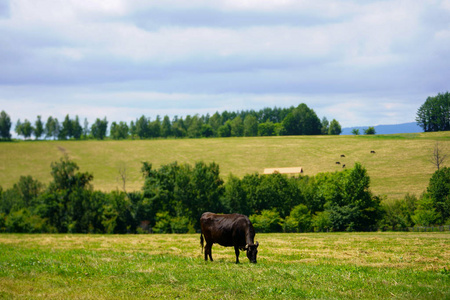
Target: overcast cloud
<point x="360" y="62"/>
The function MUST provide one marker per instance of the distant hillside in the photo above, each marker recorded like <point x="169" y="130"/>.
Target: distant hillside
<point x="387" y="129"/>
<point x="398" y="166"/>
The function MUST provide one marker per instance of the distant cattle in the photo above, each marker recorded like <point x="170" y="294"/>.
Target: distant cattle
<point x="372" y="151"/>
<point x="343" y="165"/>
<point x="342" y="155"/>
<point x="232" y="230"/>
<point x="338" y="162"/>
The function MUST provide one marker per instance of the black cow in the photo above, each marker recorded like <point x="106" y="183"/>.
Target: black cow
<point x="232" y="230"/>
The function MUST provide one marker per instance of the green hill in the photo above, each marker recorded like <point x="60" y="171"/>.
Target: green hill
<point x="399" y="165"/>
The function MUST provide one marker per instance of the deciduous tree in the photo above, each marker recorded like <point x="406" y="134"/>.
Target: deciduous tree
<point x="335" y="128"/>
<point x="5" y="126"/>
<point x="434" y="114"/>
<point x="302" y="121"/>
<point x="250" y="126"/>
<point x="38" y="128"/>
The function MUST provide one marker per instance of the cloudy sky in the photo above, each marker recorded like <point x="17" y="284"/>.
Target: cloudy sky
<point x="360" y="62"/>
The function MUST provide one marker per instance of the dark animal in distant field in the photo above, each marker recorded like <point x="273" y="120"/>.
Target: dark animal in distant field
<point x="342" y="155"/>
<point x="338" y="163"/>
<point x="343" y="165"/>
<point x="233" y="230"/>
<point x="372" y="151"/>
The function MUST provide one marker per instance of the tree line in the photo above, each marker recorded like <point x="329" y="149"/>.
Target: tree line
<point x="174" y="196"/>
<point x="300" y="120"/>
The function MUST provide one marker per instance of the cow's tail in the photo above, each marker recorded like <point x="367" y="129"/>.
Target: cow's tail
<point x="201" y="240"/>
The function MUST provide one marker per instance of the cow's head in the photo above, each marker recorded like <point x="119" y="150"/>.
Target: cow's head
<point x="252" y="251"/>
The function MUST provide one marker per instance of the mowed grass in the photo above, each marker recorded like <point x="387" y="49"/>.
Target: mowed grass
<point x="310" y="266"/>
<point x="399" y="166"/>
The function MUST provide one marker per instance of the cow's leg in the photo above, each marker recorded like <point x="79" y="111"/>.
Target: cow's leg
<point x="236" y="250"/>
<point x="208" y="251"/>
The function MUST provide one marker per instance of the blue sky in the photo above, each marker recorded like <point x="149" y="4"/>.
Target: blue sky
<point x="360" y="62"/>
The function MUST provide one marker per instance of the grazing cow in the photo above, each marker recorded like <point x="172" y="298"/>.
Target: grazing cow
<point x="338" y="163"/>
<point x="343" y="165"/>
<point x="342" y="155"/>
<point x="372" y="151"/>
<point x="232" y="230"/>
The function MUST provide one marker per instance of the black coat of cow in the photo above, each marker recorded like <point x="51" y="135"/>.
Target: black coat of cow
<point x="233" y="230"/>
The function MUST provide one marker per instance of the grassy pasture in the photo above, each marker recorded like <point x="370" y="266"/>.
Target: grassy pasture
<point x="311" y="266"/>
<point x="399" y="166"/>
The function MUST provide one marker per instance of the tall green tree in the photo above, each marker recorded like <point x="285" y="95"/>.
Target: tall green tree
<point x="206" y="130"/>
<point x="325" y="125"/>
<point x="66" y="176"/>
<point x="434" y="114"/>
<point x="142" y="128"/>
<point x="155" y="127"/>
<point x="225" y="129"/>
<point x="5" y="126"/>
<point x="235" y="197"/>
<point x="25" y="128"/>
<point x="50" y="128"/>
<point x="66" y="131"/>
<point x="194" y="125"/>
<point x="18" y="129"/>
<point x="62" y="202"/>
<point x="250" y="126"/>
<point x="86" y="130"/>
<point x="166" y="127"/>
<point x="98" y="129"/>
<point x="178" y="128"/>
<point x="215" y="121"/>
<point x="38" y="128"/>
<point x="439" y="192"/>
<point x="237" y="127"/>
<point x="335" y="128"/>
<point x="119" y="131"/>
<point x="77" y="130"/>
<point x="348" y="199"/>
<point x="57" y="128"/>
<point x="302" y="121"/>
<point x="266" y="129"/>
<point x="181" y="190"/>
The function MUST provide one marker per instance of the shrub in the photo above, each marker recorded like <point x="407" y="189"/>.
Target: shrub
<point x="267" y="221"/>
<point x="321" y="221"/>
<point x="398" y="213"/>
<point x="162" y="223"/>
<point x="289" y="224"/>
<point x="180" y="225"/>
<point x="22" y="221"/>
<point x="425" y="214"/>
<point x="299" y="220"/>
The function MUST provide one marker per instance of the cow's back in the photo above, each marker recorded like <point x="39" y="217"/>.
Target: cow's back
<point x="226" y="230"/>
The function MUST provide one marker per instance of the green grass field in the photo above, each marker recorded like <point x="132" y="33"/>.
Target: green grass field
<point x="311" y="266"/>
<point x="399" y="166"/>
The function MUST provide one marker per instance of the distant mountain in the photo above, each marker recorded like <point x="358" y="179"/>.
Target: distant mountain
<point x="387" y="129"/>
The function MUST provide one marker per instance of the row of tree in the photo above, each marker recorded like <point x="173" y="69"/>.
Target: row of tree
<point x="299" y="120"/>
<point x="174" y="196"/>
